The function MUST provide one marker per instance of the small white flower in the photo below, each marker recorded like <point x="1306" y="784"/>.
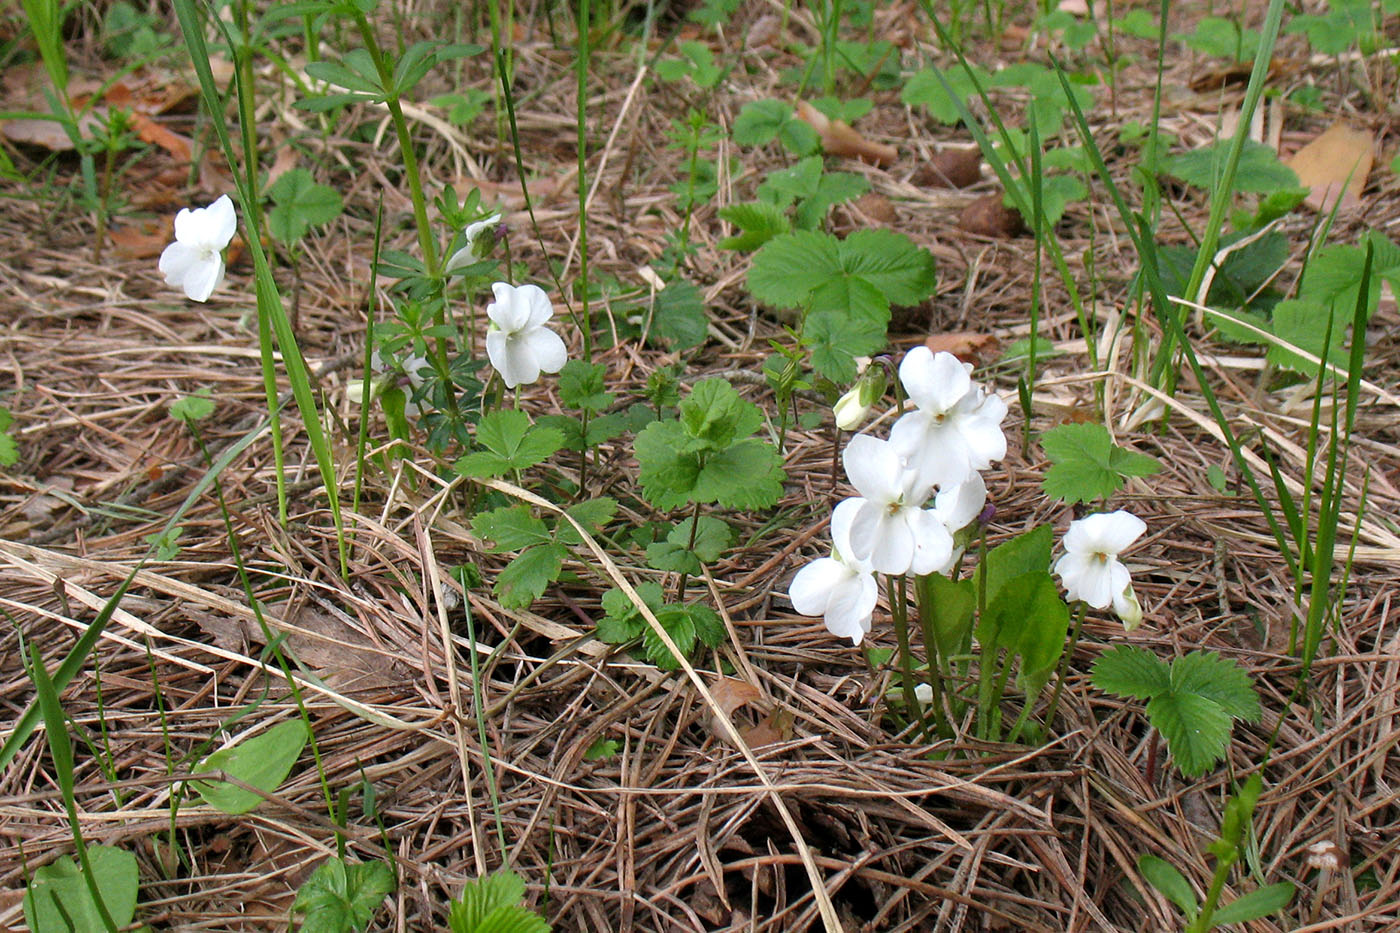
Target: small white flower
<point x="475" y="248"/>
<point x="956" y="429"/>
<point x="519" y="345"/>
<point x="195" y="261"/>
<point x="839" y="588"/>
<point x="1090" y="569"/>
<point x="891" y="529"/>
<point x="849" y="411"/>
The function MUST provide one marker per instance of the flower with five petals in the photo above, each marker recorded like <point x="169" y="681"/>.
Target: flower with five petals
<point x="519" y="344"/>
<point x="195" y="261"/>
<point x="956" y="429"/>
<point x="891" y="528"/>
<point x="1090" y="569"/>
<point x="839" y="588"/>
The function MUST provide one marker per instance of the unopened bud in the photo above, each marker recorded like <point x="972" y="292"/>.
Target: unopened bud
<point x="849" y="411"/>
<point x="1129" y="609"/>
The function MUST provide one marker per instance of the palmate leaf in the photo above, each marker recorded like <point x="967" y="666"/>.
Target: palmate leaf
<point x="525" y="578"/>
<point x="510" y="528"/>
<point x="340" y="896"/>
<point x="1207" y="674"/>
<point x="1087" y="465"/>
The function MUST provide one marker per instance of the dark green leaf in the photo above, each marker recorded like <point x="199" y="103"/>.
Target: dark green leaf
<point x="902" y="270"/>
<point x="526" y="577"/>
<point x="1131" y="671"/>
<point x="592" y="514"/>
<point x="1207" y="674"/>
<point x="760" y="221"/>
<point x="510" y="528"/>
<point x="583" y="386"/>
<point x="1163" y="876"/>
<point x="836" y="340"/>
<point x="747" y="475"/>
<point x="1087" y="465"/>
<point x="678" y="315"/>
<point x="1197" y="730"/>
<point x="1259" y="170"/>
<point x="493" y="905"/>
<point x="340" y="897"/>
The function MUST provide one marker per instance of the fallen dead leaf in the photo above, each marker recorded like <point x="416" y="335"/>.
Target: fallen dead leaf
<point x="730" y="693"/>
<point x="152" y="132"/>
<point x="987" y="216"/>
<point x="776" y="727"/>
<point x="839" y="139"/>
<point x="141" y="241"/>
<point x="967" y="346"/>
<point x="875" y="206"/>
<point x="950" y="168"/>
<point x="1334" y="164"/>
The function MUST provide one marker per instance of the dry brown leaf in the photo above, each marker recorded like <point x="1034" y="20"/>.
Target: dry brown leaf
<point x="875" y="206"/>
<point x="141" y="241"/>
<point x="776" y="727"/>
<point x="967" y="346"/>
<point x="839" y="139"/>
<point x="1336" y="162"/>
<point x="48" y="134"/>
<point x="152" y="132"/>
<point x="950" y="168"/>
<point x="730" y="693"/>
<point x="987" y="216"/>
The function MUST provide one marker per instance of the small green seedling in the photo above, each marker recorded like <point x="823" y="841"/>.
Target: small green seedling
<point x="9" y="449"/>
<point x="493" y="905"/>
<point x="623" y="622"/>
<point x="298" y="204"/>
<point x="543" y="546"/>
<point x="341" y="896"/>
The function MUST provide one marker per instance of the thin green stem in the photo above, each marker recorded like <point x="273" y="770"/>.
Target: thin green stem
<point x="899" y="610"/>
<point x="582" y="147"/>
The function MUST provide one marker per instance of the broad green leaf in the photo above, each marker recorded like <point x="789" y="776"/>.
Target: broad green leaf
<point x="678" y="315"/>
<point x="262" y="761"/>
<point x="1302" y="323"/>
<point x="1131" y="671"/>
<point x="1207" y="674"/>
<point x="592" y="514"/>
<point x="709" y="628"/>
<point x="510" y="528"/>
<point x="853" y="296"/>
<point x="1087" y="465"/>
<point x="1028" y="552"/>
<point x="786" y="186"/>
<point x="747" y="475"/>
<point x="902" y="270"/>
<point x="300" y="203"/>
<point x="832" y="188"/>
<point x="716" y="414"/>
<point x="950" y="604"/>
<point x="759" y="222"/>
<point x="1030" y="619"/>
<point x="518" y="444"/>
<point x="788" y="267"/>
<point x="1164" y="876"/>
<point x="679" y="624"/>
<point x="340" y="897"/>
<point x="763" y="121"/>
<point x="483" y="464"/>
<point x="1197" y="730"/>
<point x="61" y="881"/>
<point x="678" y="554"/>
<point x="583" y="386"/>
<point x="1256" y="904"/>
<point x="924" y="87"/>
<point x="1259" y="170"/>
<point x="836" y="339"/>
<point x="526" y="577"/>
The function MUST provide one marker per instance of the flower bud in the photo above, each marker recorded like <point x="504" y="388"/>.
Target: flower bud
<point x="1129" y="609"/>
<point x="852" y="407"/>
<point x="849" y="411"/>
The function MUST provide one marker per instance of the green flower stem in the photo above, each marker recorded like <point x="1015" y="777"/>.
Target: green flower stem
<point x="899" y="609"/>
<point x="935" y="664"/>
<point x="1080" y="610"/>
<point x="690" y="547"/>
<point x="582" y="146"/>
<point x="1202" y="922"/>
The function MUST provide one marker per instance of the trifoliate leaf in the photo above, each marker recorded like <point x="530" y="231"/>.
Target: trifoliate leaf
<point x="582" y="386"/>
<point x="1207" y="674"/>
<point x="511" y="442"/>
<point x="678" y="554"/>
<point x="762" y="121"/>
<point x="510" y="528"/>
<point x="1259" y="170"/>
<point x="526" y="577"/>
<point x="1197" y="730"/>
<point x="784" y="187"/>
<point x="340" y="897"/>
<point x="788" y="267"/>
<point x="262" y="761"/>
<point x="1130" y="671"/>
<point x="299" y="204"/>
<point x="61" y="882"/>
<point x="1087" y="465"/>
<point x="924" y="87"/>
<point x="1164" y="876"/>
<point x="832" y="188"/>
<point x="759" y="221"/>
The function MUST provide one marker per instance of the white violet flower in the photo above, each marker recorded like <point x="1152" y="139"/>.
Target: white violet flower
<point x="195" y="261"/>
<point x="519" y="345"/>
<point x="956" y="429"/>
<point x="839" y="588"/>
<point x="1090" y="569"/>
<point x="475" y="248"/>
<point x="891" y="529"/>
<point x="957" y="506"/>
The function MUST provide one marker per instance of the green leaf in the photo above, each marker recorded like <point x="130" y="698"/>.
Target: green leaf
<point x="492" y="905"/>
<point x="1164" y="876"/>
<point x="1030" y="619"/>
<point x="709" y="628"/>
<point x="924" y="87"/>
<point x="951" y="603"/>
<point x="515" y="442"/>
<point x="902" y="270"/>
<point x="1256" y="904"/>
<point x="115" y="872"/>
<point x="582" y="386"/>
<point x="715" y="414"/>
<point x="510" y="528"/>
<point x="1028" y="552"/>
<point x="836" y="340"/>
<point x="788" y="267"/>
<point x="483" y="465"/>
<point x="1207" y="674"/>
<point x="760" y="221"/>
<point x="602" y="749"/>
<point x="1259" y="171"/>
<point x="832" y="188"/>
<point x="678" y="315"/>
<point x="9" y="450"/>
<point x="679" y="624"/>
<point x="747" y="475"/>
<point x="526" y="577"/>
<point x="1303" y="324"/>
<point x="1131" y="671"/>
<point x="1087" y="465"/>
<point x="340" y="896"/>
<point x="675" y="554"/>
<point x="262" y="761"/>
<point x="301" y="203"/>
<point x="759" y="121"/>
<point x="195" y="407"/>
<point x="1197" y="730"/>
<point x="592" y="514"/>
<point x="784" y="187"/>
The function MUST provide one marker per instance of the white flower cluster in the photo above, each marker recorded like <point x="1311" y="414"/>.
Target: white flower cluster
<point x="935" y="451"/>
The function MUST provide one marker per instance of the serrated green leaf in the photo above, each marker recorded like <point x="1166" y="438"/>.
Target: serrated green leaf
<point x="592" y="514"/>
<point x="510" y="528"/>
<point x="1131" y="671"/>
<point x="1197" y="730"/>
<point x="1259" y="170"/>
<point x="836" y="339"/>
<point x="709" y="627"/>
<point x="668" y="474"/>
<point x="602" y="749"/>
<point x="760" y="221"/>
<point x="832" y="188"/>
<point x="1302" y="323"/>
<point x="9" y="450"/>
<point x="1256" y="904"/>
<point x="677" y="622"/>
<point x="1087" y="465"/>
<point x="902" y="270"/>
<point x="715" y="413"/>
<point x="582" y="386"/>
<point x="482" y="465"/>
<point x="300" y="203"/>
<point x="525" y="578"/>
<point x="676" y="554"/>
<point x="747" y="475"/>
<point x="340" y="897"/>
<point x="1164" y="876"/>
<point x="61" y="881"/>
<point x="788" y="267"/>
<point x="262" y="761"/>
<point x="492" y="905"/>
<point x="784" y="187"/>
<point x="759" y="121"/>
<point x="1207" y="674"/>
<point x="508" y="433"/>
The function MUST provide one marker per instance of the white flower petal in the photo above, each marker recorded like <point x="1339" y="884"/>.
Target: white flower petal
<point x="221" y="222"/>
<point x="849" y="610"/>
<point x="538" y="308"/>
<point x="893" y="550"/>
<point x="811" y="589"/>
<point x="933" y="544"/>
<point x="873" y="467"/>
<point x="841" y="518"/>
<point x="176" y="262"/>
<point x="863" y="529"/>
<point x="546" y="347"/>
<point x="203" y="277"/>
<point x="508" y="311"/>
<point x="934" y="381"/>
<point x="958" y="505"/>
